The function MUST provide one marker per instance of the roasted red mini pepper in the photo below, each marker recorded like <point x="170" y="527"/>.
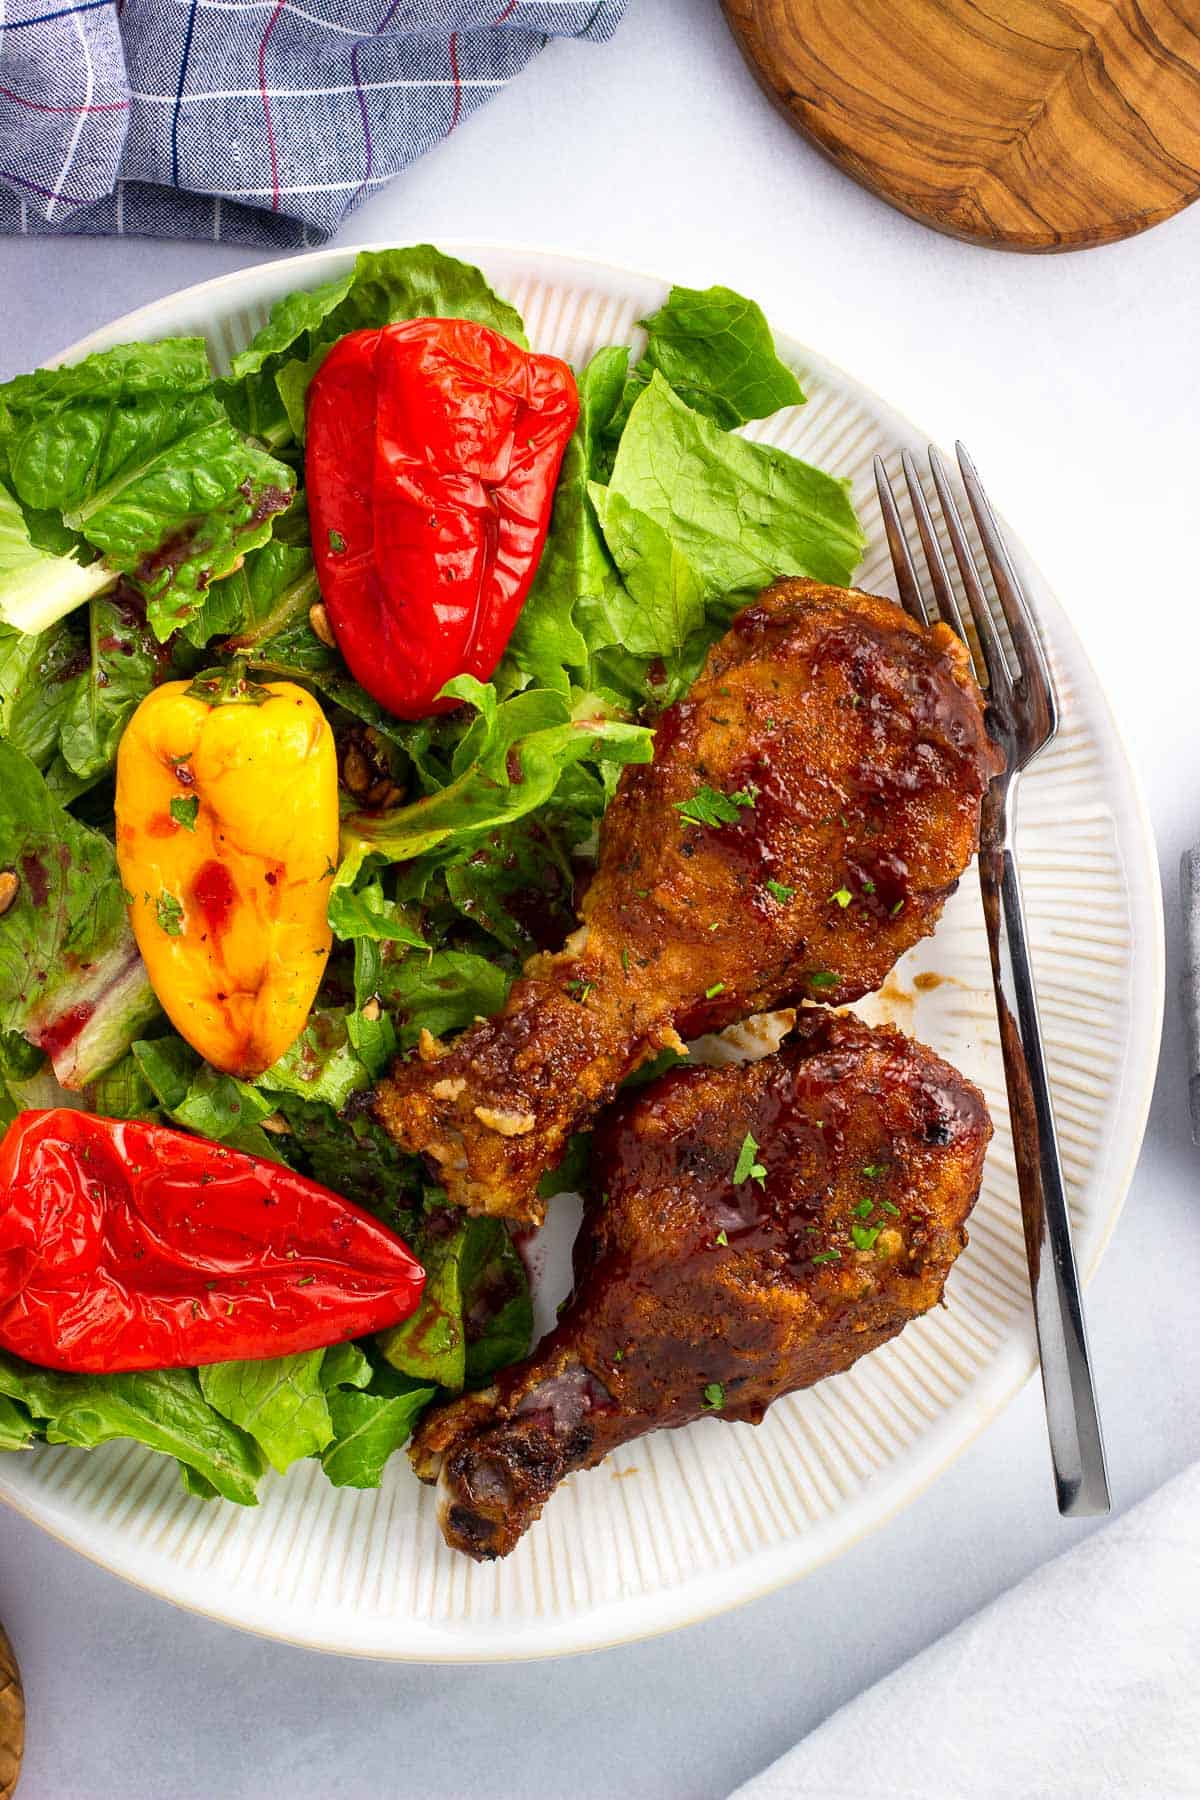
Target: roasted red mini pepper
<point x="433" y="450"/>
<point x="131" y="1246"/>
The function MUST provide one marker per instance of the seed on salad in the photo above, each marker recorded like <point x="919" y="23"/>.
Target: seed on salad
<point x="384" y="793"/>
<point x="276" y="1124"/>
<point x="10" y="883"/>
<point x="372" y="1010"/>
<point x="356" y="771"/>
<point x="318" y="619"/>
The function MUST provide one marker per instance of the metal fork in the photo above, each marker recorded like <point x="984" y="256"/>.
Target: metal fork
<point x="1022" y="716"/>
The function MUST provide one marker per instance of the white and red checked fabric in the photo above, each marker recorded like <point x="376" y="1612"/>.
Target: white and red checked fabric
<point x="249" y="121"/>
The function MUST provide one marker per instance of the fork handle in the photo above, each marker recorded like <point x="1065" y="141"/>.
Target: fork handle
<point x="1076" y="1444"/>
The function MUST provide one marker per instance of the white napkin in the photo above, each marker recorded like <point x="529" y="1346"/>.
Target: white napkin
<point x="1083" y="1683"/>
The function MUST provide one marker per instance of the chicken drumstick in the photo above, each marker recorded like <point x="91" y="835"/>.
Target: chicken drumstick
<point x="812" y="802"/>
<point x="755" y="1229"/>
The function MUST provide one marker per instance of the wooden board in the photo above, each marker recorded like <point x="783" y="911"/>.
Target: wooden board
<point x="12" y="1719"/>
<point x="1025" y="124"/>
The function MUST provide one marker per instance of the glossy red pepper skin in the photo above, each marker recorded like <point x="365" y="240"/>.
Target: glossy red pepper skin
<point x="131" y="1246"/>
<point x="432" y="454"/>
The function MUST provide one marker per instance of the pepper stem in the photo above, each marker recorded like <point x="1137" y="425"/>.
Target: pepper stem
<point x="228" y="686"/>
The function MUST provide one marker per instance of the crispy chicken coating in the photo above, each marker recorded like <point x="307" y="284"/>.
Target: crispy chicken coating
<point x="752" y="1230"/>
<point x="812" y="802"/>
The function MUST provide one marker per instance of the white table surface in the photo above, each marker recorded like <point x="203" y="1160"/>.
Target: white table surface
<point x="1074" y="380"/>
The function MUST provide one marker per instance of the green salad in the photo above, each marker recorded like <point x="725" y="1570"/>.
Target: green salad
<point x="153" y="524"/>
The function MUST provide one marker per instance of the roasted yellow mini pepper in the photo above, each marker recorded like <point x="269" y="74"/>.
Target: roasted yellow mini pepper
<point x="227" y="835"/>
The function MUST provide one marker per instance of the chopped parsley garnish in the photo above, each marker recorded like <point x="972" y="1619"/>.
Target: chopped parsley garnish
<point x="169" y="913"/>
<point x="580" y="989"/>
<point x="864" y="1235"/>
<point x="618" y="1356"/>
<point x="779" y="892"/>
<point x="868" y="887"/>
<point x="899" y="907"/>
<point x="873" y="1171"/>
<point x="306" y="1281"/>
<point x="714" y="1395"/>
<point x="747" y="1167"/>
<point x="826" y="1256"/>
<point x="337" y="542"/>
<point x="708" y="807"/>
<point x="184" y="808"/>
<point x="842" y="895"/>
<point x="823" y="978"/>
<point x="889" y="1208"/>
<point x="722" y="1239"/>
<point x="718" y="987"/>
<point x="625" y="957"/>
<point x="865" y="1207"/>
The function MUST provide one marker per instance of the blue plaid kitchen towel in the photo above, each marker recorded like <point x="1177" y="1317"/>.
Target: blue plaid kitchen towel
<point x="247" y="121"/>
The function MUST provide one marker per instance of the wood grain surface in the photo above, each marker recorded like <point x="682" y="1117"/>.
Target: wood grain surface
<point x="12" y="1719"/>
<point x="1025" y="124"/>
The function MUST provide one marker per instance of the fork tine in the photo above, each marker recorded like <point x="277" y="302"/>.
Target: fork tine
<point x="911" y="597"/>
<point x="995" y="660"/>
<point x="1022" y="626"/>
<point x="935" y="562"/>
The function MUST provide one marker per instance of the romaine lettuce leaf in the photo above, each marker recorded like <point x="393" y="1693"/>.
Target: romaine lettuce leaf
<point x="123" y="1092"/>
<point x="126" y="662"/>
<point x="173" y="365"/>
<point x="39" y="679"/>
<point x="431" y="1345"/>
<point x="508" y="763"/>
<point x="16" y="1425"/>
<point x="442" y="992"/>
<point x="369" y="1425"/>
<point x="226" y="1422"/>
<point x="378" y="929"/>
<point x="517" y="884"/>
<point x="570" y="1175"/>
<point x="29" y="1079"/>
<point x="497" y="1303"/>
<point x="354" y="1156"/>
<point x="38" y="587"/>
<point x="383" y="287"/>
<point x="364" y="913"/>
<point x="715" y="349"/>
<point x="476" y="1313"/>
<point x="134" y="454"/>
<point x="659" y="607"/>
<point x="71" y="979"/>
<point x="290" y="320"/>
<point x="321" y="1065"/>
<point x="575" y="565"/>
<point x="198" y="1097"/>
<point x="162" y="1408"/>
<point x="345" y="1365"/>
<point x="280" y="1403"/>
<point x="273" y="591"/>
<point x="738" y="513"/>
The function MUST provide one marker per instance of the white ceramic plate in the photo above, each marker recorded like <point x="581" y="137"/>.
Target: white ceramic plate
<point x="687" y="1523"/>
